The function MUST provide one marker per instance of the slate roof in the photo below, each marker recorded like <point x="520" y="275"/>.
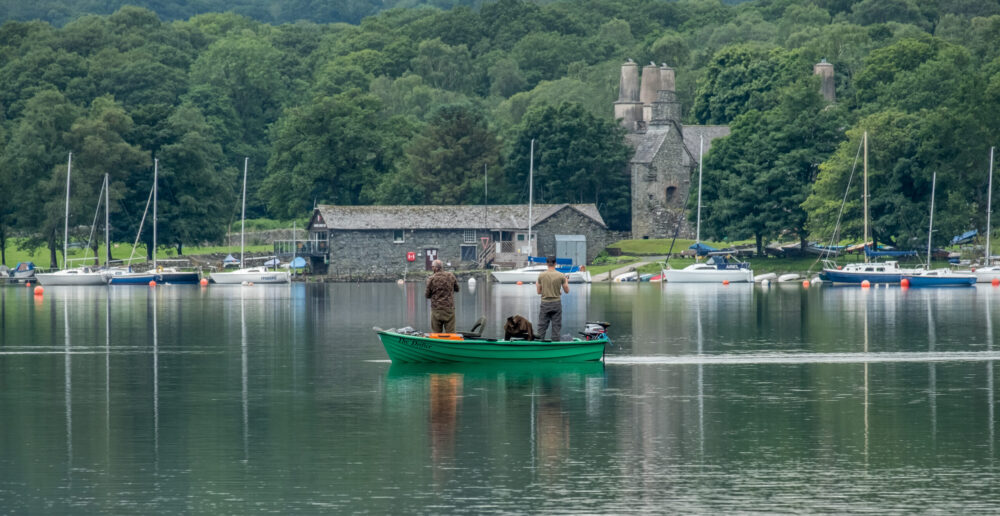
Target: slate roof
<point x="504" y="216"/>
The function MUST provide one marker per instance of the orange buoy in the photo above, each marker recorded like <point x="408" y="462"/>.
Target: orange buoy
<point x="27" y="284"/>
<point x="204" y="282"/>
<point x="39" y="290"/>
<point x="152" y="283"/>
<point x="520" y="283"/>
<point x="865" y="284"/>
<point x="995" y="282"/>
<point x="725" y="282"/>
<point x="805" y="283"/>
<point x="905" y="283"/>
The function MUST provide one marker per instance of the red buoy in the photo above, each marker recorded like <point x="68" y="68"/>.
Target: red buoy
<point x="520" y="283"/>
<point x="725" y="282"/>
<point x="204" y="282"/>
<point x="39" y="290"/>
<point x="865" y="284"/>
<point x="905" y="283"/>
<point x="805" y="283"/>
<point x="152" y="283"/>
<point x="995" y="282"/>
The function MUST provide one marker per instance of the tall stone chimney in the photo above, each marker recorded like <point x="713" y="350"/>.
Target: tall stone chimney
<point x="665" y="108"/>
<point x="667" y="79"/>
<point x="650" y="85"/>
<point x="827" y="86"/>
<point x="628" y="108"/>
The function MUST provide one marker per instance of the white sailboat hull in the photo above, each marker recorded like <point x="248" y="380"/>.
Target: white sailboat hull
<point x="251" y="275"/>
<point x="530" y="275"/>
<point x="707" y="276"/>
<point x="71" y="277"/>
<point x="987" y="274"/>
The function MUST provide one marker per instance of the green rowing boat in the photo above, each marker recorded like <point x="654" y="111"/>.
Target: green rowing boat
<point x="417" y="348"/>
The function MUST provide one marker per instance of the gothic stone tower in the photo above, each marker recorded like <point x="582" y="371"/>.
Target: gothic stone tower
<point x="666" y="153"/>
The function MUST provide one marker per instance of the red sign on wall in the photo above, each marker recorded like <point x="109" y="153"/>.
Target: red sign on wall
<point x="411" y="256"/>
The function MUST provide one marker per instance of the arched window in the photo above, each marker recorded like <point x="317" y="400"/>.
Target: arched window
<point x="671" y="191"/>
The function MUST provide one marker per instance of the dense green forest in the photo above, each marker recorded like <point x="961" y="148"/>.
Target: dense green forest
<point x="413" y="104"/>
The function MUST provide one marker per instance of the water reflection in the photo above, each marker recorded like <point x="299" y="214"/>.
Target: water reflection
<point x="715" y="400"/>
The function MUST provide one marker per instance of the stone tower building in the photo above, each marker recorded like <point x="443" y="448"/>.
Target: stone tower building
<point x="666" y="152"/>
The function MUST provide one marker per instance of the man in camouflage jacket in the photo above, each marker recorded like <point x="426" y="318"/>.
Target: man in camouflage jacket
<point x="441" y="288"/>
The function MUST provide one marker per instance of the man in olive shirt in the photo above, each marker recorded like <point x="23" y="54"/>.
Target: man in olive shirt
<point x="550" y="285"/>
<point x="441" y="288"/>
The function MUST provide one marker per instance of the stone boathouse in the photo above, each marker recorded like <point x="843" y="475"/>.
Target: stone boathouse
<point x="400" y="238"/>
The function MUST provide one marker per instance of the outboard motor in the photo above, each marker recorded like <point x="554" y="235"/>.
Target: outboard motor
<point x="595" y="330"/>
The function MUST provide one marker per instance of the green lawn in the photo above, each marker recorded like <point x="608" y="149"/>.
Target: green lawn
<point x="661" y="246"/>
<point x="119" y="252"/>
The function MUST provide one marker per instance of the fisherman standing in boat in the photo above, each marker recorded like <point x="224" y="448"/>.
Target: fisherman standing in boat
<point x="441" y="288"/>
<point x="550" y="285"/>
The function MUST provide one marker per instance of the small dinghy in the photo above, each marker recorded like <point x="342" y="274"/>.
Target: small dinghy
<point x="785" y="278"/>
<point x="769" y="276"/>
<point x="409" y="346"/>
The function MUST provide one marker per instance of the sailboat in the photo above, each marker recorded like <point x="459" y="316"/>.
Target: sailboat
<point x="250" y="274"/>
<point x="885" y="272"/>
<point x="988" y="272"/>
<point x="78" y="275"/>
<point x="937" y="277"/>
<point x="529" y="274"/>
<point x="716" y="269"/>
<point x="127" y="277"/>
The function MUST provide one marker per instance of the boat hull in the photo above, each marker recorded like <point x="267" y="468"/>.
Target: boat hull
<point x="132" y="279"/>
<point x="940" y="281"/>
<point x="707" y="276"/>
<point x="532" y="277"/>
<point x="57" y="279"/>
<point x="837" y="276"/>
<point x="237" y="277"/>
<point x="987" y="274"/>
<point x="414" y="349"/>
<point x="179" y="278"/>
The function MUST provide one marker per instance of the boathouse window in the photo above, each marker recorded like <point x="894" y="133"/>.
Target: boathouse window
<point x="520" y="238"/>
<point x="397" y="236"/>
<point x="671" y="190"/>
<point x="469" y="236"/>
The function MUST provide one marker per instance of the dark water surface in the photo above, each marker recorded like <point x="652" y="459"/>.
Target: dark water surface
<point x="280" y="399"/>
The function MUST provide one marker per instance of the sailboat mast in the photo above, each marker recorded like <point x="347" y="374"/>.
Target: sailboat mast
<point x="243" y="210"/>
<point x="531" y="192"/>
<point x="930" y="229"/>
<point x="156" y="164"/>
<point x="865" y="245"/>
<point x="69" y="168"/>
<point x="701" y="159"/>
<point x="989" y="207"/>
<point x="107" y="230"/>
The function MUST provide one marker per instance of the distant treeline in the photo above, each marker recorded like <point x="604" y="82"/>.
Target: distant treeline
<point x="417" y="105"/>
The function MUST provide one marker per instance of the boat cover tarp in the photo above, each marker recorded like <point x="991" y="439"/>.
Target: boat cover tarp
<point x="965" y="238"/>
<point x="299" y="262"/>
<point x="230" y="260"/>
<point x="888" y="254"/>
<point x="24" y="266"/>
<point x="702" y="249"/>
<point x="273" y="262"/>
<point x="542" y="259"/>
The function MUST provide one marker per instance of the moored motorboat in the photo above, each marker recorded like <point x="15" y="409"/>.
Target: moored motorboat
<point x="529" y="274"/>
<point x="23" y="271"/>
<point x="407" y="346"/>
<point x="785" y="278"/>
<point x="716" y="270"/>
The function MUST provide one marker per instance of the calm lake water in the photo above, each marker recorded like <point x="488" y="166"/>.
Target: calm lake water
<point x="236" y="400"/>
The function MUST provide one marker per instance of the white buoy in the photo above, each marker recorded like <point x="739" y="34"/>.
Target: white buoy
<point x="765" y="282"/>
<point x="817" y="280"/>
<point x="400" y="281"/>
<point x="245" y="283"/>
<point x="472" y="282"/>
